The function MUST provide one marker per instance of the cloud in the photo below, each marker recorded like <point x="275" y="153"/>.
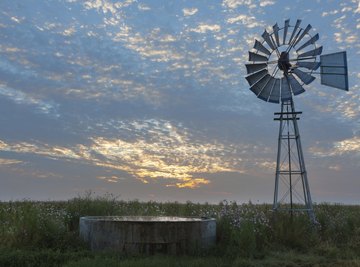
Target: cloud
<point x="55" y="152"/>
<point x="203" y="28"/>
<point x="7" y="66"/>
<point x="156" y="151"/>
<point x="106" y="6"/>
<point x="266" y="3"/>
<point x="19" y="97"/>
<point x="167" y="153"/>
<point x="189" y="11"/>
<point x="344" y="106"/>
<point x="144" y="7"/>
<point x="7" y="49"/>
<point x="69" y="32"/>
<point x="351" y="39"/>
<point x="346" y="35"/>
<point x="153" y="45"/>
<point x="17" y="20"/>
<point x="339" y="148"/>
<point x="191" y="183"/>
<point x="328" y="13"/>
<point x="248" y="21"/>
<point x="110" y="179"/>
<point x="351" y="145"/>
<point x="338" y="37"/>
<point x="357" y="10"/>
<point x="232" y="4"/>
<point x="9" y="161"/>
<point x="349" y="107"/>
<point x="336" y="167"/>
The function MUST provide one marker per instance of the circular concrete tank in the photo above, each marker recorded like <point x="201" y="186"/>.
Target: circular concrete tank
<point x="148" y="234"/>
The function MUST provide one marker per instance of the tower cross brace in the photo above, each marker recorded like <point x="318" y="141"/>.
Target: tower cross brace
<point x="292" y="191"/>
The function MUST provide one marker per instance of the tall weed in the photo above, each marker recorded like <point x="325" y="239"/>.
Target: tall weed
<point x="247" y="234"/>
<point x="89" y="205"/>
<point x="30" y="224"/>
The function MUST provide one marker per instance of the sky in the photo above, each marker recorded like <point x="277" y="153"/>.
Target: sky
<point x="148" y="100"/>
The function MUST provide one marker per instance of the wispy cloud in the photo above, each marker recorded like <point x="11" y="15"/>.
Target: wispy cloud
<point x="248" y="21"/>
<point x="19" y="97"/>
<point x="110" y="179"/>
<point x="266" y="3"/>
<point x="189" y="11"/>
<point x="107" y="6"/>
<point x="158" y="151"/>
<point x="168" y="154"/>
<point x="9" y="161"/>
<point x="232" y="4"/>
<point x="339" y="148"/>
<point x="144" y="7"/>
<point x="203" y="28"/>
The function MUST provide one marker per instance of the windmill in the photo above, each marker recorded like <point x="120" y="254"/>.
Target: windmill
<point x="280" y="65"/>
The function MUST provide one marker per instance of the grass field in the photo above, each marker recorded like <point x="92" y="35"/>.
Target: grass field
<point x="46" y="234"/>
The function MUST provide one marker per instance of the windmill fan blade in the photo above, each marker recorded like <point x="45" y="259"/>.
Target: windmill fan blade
<point x="285" y="89"/>
<point x="307" y="29"/>
<point x="295" y="30"/>
<point x="257" y="87"/>
<point x="312" y="53"/>
<point x="308" y="65"/>
<point x="286" y="26"/>
<point x="251" y="68"/>
<point x="303" y="76"/>
<point x="309" y="42"/>
<point x="265" y="92"/>
<point x="268" y="40"/>
<point x="275" y="93"/>
<point x="334" y="70"/>
<point x="295" y="85"/>
<point x="257" y="57"/>
<point x="259" y="46"/>
<point x="276" y="32"/>
<point x="255" y="77"/>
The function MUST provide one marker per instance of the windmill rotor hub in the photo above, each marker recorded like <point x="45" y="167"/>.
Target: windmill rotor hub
<point x="283" y="62"/>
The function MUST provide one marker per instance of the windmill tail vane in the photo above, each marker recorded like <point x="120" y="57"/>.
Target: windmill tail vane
<point x="280" y="65"/>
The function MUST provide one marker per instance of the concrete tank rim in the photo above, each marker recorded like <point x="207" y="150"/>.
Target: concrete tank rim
<point x="147" y="219"/>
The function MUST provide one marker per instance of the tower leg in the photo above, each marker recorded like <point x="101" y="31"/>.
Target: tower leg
<point x="292" y="191"/>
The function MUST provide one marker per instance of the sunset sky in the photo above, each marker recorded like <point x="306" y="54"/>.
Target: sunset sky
<point x="147" y="100"/>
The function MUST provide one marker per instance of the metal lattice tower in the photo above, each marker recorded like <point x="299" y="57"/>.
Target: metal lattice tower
<point x="292" y="191"/>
